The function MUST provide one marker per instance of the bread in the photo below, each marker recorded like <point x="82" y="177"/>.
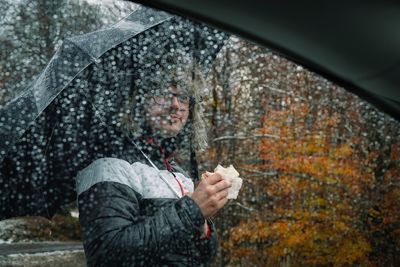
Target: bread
<point x="231" y="175"/>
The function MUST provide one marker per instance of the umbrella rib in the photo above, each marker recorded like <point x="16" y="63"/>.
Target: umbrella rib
<point x="44" y="157"/>
<point x="48" y="142"/>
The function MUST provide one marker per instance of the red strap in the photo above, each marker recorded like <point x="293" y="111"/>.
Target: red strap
<point x="208" y="232"/>
<point x="179" y="183"/>
<point x="169" y="168"/>
<point x="150" y="141"/>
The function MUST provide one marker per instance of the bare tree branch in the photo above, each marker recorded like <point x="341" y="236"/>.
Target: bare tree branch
<point x="257" y="173"/>
<point x="280" y="91"/>
<point x="243" y="206"/>
<point x="239" y="137"/>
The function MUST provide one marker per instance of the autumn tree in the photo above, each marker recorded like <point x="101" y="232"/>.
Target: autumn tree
<point x="313" y="219"/>
<point x="320" y="166"/>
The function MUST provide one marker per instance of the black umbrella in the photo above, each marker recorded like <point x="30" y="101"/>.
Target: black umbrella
<point x="71" y="114"/>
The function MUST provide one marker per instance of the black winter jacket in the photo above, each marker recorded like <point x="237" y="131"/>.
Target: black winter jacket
<point x="129" y="217"/>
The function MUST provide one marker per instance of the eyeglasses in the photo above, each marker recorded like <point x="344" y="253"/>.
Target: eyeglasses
<point x="164" y="98"/>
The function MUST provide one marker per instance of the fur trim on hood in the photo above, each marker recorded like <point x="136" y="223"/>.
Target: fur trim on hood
<point x="160" y="72"/>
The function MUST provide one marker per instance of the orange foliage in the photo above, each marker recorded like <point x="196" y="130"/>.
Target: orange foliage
<point x="317" y="196"/>
<point x="321" y="176"/>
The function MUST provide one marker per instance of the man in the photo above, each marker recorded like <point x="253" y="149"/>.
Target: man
<point x="142" y="209"/>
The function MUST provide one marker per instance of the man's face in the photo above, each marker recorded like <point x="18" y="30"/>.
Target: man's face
<point x="167" y="111"/>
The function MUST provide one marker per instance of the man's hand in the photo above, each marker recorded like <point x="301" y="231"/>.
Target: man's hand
<point x="211" y="194"/>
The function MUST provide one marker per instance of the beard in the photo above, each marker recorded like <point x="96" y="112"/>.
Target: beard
<point x="166" y="126"/>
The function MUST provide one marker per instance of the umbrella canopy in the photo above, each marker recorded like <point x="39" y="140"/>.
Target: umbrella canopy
<point x="353" y="43"/>
<point x="71" y="114"/>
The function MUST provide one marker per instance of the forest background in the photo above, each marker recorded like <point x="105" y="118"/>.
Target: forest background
<point x="321" y="167"/>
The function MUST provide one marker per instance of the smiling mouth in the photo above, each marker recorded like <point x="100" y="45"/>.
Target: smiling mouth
<point x="171" y="119"/>
<point x="174" y="117"/>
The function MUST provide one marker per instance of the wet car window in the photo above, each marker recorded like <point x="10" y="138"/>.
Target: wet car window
<point x="116" y="113"/>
